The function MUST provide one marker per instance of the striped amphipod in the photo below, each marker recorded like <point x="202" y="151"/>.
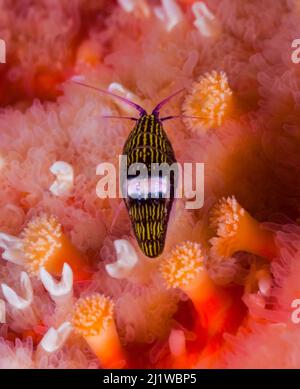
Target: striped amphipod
<point x="149" y="196"/>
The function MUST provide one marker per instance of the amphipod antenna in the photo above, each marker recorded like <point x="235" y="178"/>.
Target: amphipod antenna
<point x="181" y="117"/>
<point x="141" y="110"/>
<point x="165" y="101"/>
<point x="119" y="117"/>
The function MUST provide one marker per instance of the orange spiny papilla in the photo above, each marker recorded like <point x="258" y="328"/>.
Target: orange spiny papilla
<point x="210" y="99"/>
<point x="238" y="231"/>
<point x="45" y="245"/>
<point x="93" y="320"/>
<point x="184" y="268"/>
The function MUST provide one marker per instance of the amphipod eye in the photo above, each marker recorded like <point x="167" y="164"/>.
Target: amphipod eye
<point x="149" y="198"/>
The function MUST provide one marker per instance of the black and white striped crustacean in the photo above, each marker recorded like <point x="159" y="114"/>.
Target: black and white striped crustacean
<point x="148" y="144"/>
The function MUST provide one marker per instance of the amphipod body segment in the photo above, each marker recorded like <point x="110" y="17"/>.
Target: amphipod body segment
<point x="148" y="197"/>
<point x="149" y="203"/>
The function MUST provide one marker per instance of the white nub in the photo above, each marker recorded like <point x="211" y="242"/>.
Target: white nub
<point x="170" y="13"/>
<point x="54" y="339"/>
<point x="13" y="248"/>
<point x="120" y="90"/>
<point x="132" y="5"/>
<point x="177" y="342"/>
<point x="126" y="260"/>
<point x="14" y="299"/>
<point x="64" y="182"/>
<point x="264" y="282"/>
<point x="62" y="288"/>
<point x="205" y="21"/>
